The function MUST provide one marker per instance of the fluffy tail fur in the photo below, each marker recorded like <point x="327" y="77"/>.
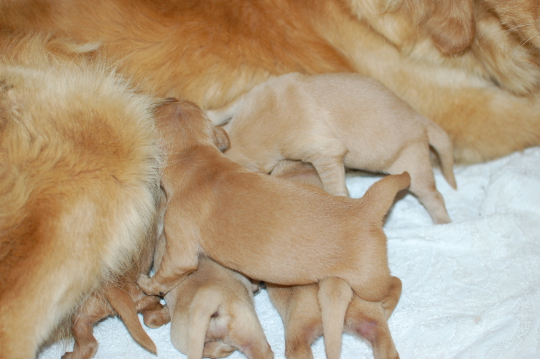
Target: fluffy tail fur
<point x="439" y="140"/>
<point x="124" y="305"/>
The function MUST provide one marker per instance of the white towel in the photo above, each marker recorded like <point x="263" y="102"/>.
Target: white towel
<point x="471" y="289"/>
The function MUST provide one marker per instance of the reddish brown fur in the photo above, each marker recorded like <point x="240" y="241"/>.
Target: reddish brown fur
<point x="469" y="65"/>
<point x="79" y="174"/>
<point x="258" y="225"/>
<point x="300" y="307"/>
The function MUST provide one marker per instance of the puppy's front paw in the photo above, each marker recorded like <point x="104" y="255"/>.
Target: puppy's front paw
<point x="147" y="285"/>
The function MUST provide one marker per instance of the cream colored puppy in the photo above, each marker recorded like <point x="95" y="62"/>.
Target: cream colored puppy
<point x="334" y="121"/>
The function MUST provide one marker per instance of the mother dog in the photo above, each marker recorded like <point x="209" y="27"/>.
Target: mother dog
<point x="469" y="65"/>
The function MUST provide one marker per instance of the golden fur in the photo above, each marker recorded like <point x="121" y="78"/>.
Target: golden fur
<point x="472" y="66"/>
<point x="79" y="174"/>
<point x="338" y="121"/>
<point x="124" y="298"/>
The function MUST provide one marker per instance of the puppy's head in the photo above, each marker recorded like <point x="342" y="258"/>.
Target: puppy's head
<point x="183" y="124"/>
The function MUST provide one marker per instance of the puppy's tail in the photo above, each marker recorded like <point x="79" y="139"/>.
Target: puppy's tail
<point x="224" y="114"/>
<point x="439" y="140"/>
<point x="200" y="314"/>
<point x="380" y="196"/>
<point x="124" y="305"/>
<point x="334" y="297"/>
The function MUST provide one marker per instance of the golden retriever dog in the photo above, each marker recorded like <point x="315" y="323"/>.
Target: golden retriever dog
<point x="124" y="298"/>
<point x="263" y="227"/>
<point x="303" y="312"/>
<point x="472" y="66"/>
<point x="79" y="177"/>
<point x="338" y="121"/>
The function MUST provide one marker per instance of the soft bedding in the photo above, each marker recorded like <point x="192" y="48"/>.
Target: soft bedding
<point x="471" y="289"/>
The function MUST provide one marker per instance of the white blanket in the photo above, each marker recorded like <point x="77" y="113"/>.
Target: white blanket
<point x="471" y="289"/>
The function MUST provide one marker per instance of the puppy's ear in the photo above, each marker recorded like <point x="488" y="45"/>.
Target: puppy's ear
<point x="221" y="139"/>
<point x="451" y="25"/>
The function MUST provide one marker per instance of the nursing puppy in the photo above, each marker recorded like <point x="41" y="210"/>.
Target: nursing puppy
<point x="263" y="227"/>
<point x="339" y="120"/>
<point x="124" y="298"/>
<point x="472" y="66"/>
<point x="213" y="315"/>
<point x="79" y="173"/>
<point x="303" y="311"/>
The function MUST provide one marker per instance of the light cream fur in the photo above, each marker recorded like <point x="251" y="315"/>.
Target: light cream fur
<point x="338" y="121"/>
<point x="79" y="174"/>
<point x="266" y="228"/>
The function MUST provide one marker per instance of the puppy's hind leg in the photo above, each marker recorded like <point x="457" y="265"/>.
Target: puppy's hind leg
<point x="246" y="332"/>
<point x="82" y="329"/>
<point x="369" y="321"/>
<point x="334" y="297"/>
<point x="416" y="161"/>
<point x="328" y="161"/>
<point x="300" y="312"/>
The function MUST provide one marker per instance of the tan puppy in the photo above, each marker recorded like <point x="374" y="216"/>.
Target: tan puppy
<point x="213" y="314"/>
<point x="472" y="66"/>
<point x="124" y="298"/>
<point x="266" y="228"/>
<point x="303" y="311"/>
<point x="79" y="176"/>
<point x="339" y="120"/>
